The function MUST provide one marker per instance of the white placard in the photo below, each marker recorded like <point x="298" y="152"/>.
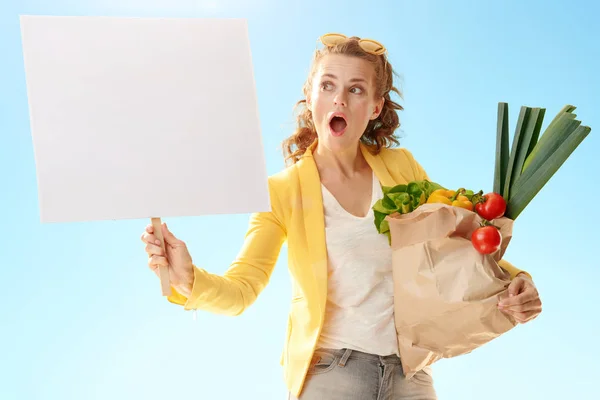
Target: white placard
<point x="143" y="117"/>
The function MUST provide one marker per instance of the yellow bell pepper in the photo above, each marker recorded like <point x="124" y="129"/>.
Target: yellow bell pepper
<point x="451" y="198"/>
<point x="463" y="202"/>
<point x="441" y="196"/>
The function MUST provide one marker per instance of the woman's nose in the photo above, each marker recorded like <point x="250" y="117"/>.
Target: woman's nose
<point x="340" y="100"/>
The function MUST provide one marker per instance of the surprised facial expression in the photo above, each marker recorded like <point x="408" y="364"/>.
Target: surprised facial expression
<point x="342" y="100"/>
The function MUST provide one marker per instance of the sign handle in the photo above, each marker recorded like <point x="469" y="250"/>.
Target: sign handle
<point x="165" y="283"/>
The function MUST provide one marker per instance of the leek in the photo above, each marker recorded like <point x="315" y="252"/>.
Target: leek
<point x="534" y="158"/>
<point x="542" y="175"/>
<point x="501" y="148"/>
<point x="510" y="170"/>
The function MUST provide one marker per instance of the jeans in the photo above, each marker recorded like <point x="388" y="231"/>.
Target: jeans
<point x="354" y="375"/>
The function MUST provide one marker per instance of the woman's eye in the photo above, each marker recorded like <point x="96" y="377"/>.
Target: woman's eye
<point x="356" y="90"/>
<point x="326" y="85"/>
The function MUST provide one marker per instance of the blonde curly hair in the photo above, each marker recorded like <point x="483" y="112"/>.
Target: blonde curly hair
<point x="379" y="132"/>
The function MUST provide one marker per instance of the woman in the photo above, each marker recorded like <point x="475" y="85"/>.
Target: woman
<point x="341" y="341"/>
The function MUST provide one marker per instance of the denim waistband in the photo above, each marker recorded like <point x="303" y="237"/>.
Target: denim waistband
<point x="346" y="354"/>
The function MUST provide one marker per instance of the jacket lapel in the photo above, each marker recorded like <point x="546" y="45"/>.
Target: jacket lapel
<point x="378" y="166"/>
<point x="314" y="222"/>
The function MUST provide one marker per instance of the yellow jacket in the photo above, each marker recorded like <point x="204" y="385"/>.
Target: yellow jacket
<point x="297" y="215"/>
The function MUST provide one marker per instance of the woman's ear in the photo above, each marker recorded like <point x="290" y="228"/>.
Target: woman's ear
<point x="308" y="103"/>
<point x="378" y="108"/>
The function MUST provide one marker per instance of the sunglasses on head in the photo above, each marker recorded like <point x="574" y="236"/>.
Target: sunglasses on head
<point x="369" y="45"/>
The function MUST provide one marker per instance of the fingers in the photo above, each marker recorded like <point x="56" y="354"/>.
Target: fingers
<point x="523" y="317"/>
<point x="153" y="245"/>
<point x="168" y="235"/>
<point x="156" y="254"/>
<point x="523" y="298"/>
<point x="170" y="239"/>
<point x="156" y="261"/>
<point x="154" y="250"/>
<point x="516" y="286"/>
<point x="526" y="305"/>
<point x="526" y="292"/>
<point x="532" y="305"/>
<point x="149" y="238"/>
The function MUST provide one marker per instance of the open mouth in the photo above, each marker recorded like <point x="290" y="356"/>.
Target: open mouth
<point x="338" y="124"/>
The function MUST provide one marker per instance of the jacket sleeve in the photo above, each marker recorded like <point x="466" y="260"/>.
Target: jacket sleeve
<point x="248" y="275"/>
<point x="420" y="174"/>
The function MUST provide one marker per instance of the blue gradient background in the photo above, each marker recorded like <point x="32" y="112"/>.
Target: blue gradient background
<point x="83" y="318"/>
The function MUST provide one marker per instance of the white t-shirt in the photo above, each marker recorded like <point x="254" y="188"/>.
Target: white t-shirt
<point x="360" y="298"/>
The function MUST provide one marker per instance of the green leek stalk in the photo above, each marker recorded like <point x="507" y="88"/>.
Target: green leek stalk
<point x="533" y="159"/>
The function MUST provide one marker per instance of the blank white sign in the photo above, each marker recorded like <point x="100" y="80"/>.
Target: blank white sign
<point x="143" y="117"/>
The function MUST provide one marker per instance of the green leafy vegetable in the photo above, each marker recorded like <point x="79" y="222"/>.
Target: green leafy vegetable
<point x="401" y="199"/>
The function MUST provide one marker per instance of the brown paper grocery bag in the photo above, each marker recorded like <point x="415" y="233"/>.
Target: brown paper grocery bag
<point x="445" y="292"/>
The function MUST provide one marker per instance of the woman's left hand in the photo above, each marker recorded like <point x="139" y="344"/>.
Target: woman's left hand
<point x="524" y="302"/>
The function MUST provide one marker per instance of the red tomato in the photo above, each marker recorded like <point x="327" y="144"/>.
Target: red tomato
<point x="494" y="206"/>
<point x="486" y="239"/>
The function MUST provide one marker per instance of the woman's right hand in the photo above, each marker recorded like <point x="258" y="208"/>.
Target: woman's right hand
<point x="177" y="257"/>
